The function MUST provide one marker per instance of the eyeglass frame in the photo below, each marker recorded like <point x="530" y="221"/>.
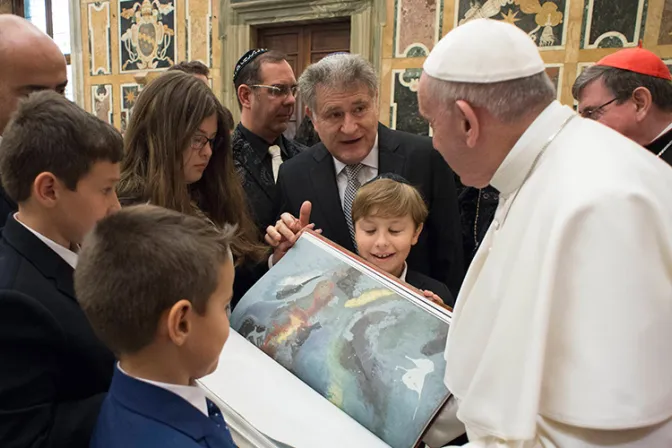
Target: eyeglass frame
<point x="589" y="114"/>
<point x="200" y="146"/>
<point x="277" y="90"/>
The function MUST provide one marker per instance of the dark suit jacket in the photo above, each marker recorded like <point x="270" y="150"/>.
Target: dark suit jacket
<point x="7" y="207"/>
<point x="425" y="283"/>
<point x="310" y="176"/>
<point x="54" y="372"/>
<point x="136" y="414"/>
<point x="256" y="174"/>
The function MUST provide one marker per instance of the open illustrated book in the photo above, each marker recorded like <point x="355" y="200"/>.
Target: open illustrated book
<point x="327" y="351"/>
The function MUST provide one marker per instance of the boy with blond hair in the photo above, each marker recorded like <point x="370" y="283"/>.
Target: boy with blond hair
<point x="155" y="285"/>
<point x="388" y="215"/>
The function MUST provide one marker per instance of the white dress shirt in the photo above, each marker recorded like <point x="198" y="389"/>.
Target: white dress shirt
<point x="66" y="254"/>
<point x="194" y="395"/>
<point x="402" y="277"/>
<point x="368" y="171"/>
<point x="561" y="334"/>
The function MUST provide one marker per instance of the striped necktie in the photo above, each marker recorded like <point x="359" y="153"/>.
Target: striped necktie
<point x="351" y="171"/>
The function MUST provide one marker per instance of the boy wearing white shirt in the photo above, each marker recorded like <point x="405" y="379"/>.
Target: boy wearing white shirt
<point x="60" y="164"/>
<point x="165" y="317"/>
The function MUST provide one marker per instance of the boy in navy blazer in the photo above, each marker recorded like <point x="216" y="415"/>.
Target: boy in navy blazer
<point x="155" y="285"/>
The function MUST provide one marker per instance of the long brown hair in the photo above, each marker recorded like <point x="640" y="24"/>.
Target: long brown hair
<point x="165" y="117"/>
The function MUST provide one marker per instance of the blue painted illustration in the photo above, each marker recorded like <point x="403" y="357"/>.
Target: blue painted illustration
<point x="361" y="342"/>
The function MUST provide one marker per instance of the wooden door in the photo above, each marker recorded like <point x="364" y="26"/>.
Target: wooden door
<point x="305" y="44"/>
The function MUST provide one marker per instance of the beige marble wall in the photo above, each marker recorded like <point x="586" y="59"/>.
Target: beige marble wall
<point x="127" y="42"/>
<point x="571" y="34"/>
<point x="5" y="6"/>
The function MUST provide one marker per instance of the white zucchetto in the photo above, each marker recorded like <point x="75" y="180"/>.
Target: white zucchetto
<point x="484" y="51"/>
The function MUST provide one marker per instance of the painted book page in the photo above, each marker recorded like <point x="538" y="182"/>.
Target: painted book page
<point x="360" y="340"/>
<point x="273" y="408"/>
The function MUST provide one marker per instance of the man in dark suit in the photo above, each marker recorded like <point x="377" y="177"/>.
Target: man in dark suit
<point x="341" y="94"/>
<point x="21" y="45"/>
<point x="60" y="164"/>
<point x="266" y="88"/>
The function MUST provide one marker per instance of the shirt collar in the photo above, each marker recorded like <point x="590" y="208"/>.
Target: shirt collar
<point x="194" y="395"/>
<point x="516" y="165"/>
<point x="66" y="254"/>
<point x="259" y="144"/>
<point x="371" y="160"/>
<point x="402" y="277"/>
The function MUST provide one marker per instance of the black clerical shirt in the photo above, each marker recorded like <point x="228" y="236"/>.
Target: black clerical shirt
<point x="662" y="146"/>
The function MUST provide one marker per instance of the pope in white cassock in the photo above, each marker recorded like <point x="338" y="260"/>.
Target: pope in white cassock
<point x="562" y="332"/>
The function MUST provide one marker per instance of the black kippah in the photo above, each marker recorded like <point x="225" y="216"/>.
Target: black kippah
<point x="246" y="59"/>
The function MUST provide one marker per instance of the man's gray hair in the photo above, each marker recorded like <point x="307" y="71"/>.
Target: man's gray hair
<point x="341" y="71"/>
<point x="622" y="83"/>
<point x="508" y="101"/>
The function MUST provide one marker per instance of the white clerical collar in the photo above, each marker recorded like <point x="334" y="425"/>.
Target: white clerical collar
<point x="665" y="131"/>
<point x="370" y="160"/>
<point x="402" y="277"/>
<point x="66" y="254"/>
<point x="511" y="173"/>
<point x="194" y="395"/>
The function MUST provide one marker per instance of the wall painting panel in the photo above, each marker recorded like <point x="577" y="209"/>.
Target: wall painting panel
<point x="613" y="23"/>
<point x="99" y="38"/>
<point x="146" y="34"/>
<point x="102" y="103"/>
<point x="542" y="20"/>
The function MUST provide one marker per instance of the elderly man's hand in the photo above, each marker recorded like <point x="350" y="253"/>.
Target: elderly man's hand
<point x="287" y="230"/>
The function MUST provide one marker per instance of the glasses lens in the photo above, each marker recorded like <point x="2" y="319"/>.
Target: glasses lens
<point x="198" y="141"/>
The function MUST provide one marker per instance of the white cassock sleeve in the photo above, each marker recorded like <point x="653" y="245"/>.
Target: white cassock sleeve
<point x="606" y="375"/>
<point x="607" y="361"/>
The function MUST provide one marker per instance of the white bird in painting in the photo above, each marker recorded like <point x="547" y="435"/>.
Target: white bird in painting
<point x="414" y="378"/>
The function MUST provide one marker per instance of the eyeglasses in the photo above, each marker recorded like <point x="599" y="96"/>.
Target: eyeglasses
<point x="278" y="90"/>
<point x="594" y="113"/>
<point x="199" y="141"/>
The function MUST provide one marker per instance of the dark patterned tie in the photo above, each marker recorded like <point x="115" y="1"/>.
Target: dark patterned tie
<point x="350" y="191"/>
<point x="215" y="414"/>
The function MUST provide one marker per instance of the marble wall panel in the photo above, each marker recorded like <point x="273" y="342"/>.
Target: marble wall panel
<point x="102" y="103"/>
<point x="99" y="38"/>
<point x="5" y="6"/>
<point x="146" y="34"/>
<point x="417" y="26"/>
<point x="613" y="23"/>
<point x="129" y="95"/>
<point x="404" y="114"/>
<point x="199" y="31"/>
<point x="665" y="35"/>
<point x="555" y="71"/>
<point x="543" y="20"/>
